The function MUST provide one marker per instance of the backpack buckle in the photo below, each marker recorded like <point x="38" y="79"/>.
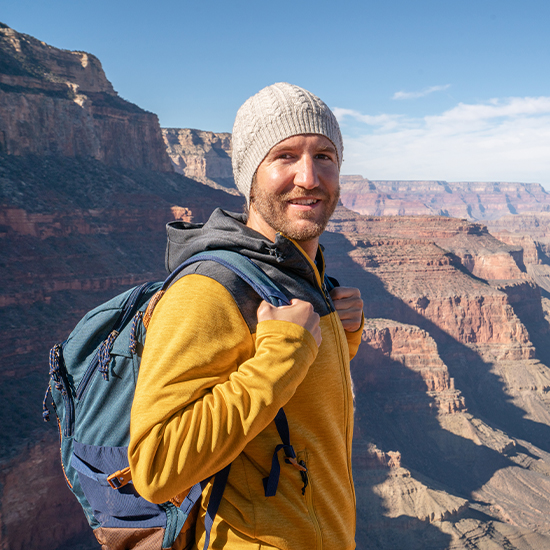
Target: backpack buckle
<point x="120" y="478"/>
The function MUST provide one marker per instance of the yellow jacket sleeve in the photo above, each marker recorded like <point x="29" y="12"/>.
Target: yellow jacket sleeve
<point x="206" y="386"/>
<point x="354" y="339"/>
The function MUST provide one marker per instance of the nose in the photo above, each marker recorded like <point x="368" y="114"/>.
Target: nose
<point x="306" y="173"/>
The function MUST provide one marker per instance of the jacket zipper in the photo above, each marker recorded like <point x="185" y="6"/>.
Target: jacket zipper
<point x="321" y="285"/>
<point x="346" y="401"/>
<point x="345" y="384"/>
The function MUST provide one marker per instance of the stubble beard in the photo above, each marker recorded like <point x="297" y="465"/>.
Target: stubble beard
<point x="273" y="209"/>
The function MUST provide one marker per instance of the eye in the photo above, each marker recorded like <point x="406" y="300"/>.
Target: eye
<point x="325" y="156"/>
<point x="284" y="156"/>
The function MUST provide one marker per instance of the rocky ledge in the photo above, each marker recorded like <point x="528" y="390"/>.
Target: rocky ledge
<point x="58" y="102"/>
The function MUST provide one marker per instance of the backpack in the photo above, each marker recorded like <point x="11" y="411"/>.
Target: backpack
<point x="93" y="374"/>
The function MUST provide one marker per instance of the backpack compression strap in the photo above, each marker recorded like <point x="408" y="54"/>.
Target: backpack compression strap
<point x="272" y="481"/>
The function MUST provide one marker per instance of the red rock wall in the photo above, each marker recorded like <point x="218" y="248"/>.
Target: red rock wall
<point x="403" y="360"/>
<point x="472" y="200"/>
<point x="205" y="156"/>
<point x="55" y="102"/>
<point x="451" y="378"/>
<point x="59" y="260"/>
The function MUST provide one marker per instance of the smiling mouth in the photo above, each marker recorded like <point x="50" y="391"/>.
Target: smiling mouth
<point x="304" y="201"/>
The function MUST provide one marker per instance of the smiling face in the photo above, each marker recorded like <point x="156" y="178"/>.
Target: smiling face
<point x="296" y="190"/>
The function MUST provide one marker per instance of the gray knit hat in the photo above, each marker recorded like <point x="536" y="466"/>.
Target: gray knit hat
<point x="276" y="113"/>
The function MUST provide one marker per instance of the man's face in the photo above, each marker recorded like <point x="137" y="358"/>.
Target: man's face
<point x="296" y="189"/>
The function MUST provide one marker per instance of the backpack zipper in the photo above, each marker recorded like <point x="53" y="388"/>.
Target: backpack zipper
<point x="94" y="363"/>
<point x="59" y="380"/>
<point x="87" y="375"/>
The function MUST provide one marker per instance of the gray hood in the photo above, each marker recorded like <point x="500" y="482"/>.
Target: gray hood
<point x="227" y="231"/>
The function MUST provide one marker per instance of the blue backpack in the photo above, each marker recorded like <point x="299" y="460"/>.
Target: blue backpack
<point x="93" y="376"/>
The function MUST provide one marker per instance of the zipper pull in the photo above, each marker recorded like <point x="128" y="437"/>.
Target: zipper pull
<point x="303" y="473"/>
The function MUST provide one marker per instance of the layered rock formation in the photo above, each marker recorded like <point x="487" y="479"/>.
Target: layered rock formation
<point x="471" y="200"/>
<point x="452" y="418"/>
<point x="86" y="188"/>
<point x="74" y="233"/>
<point x="451" y="447"/>
<point x="206" y="157"/>
<point x="203" y="156"/>
<point x="531" y="232"/>
<point x="60" y="102"/>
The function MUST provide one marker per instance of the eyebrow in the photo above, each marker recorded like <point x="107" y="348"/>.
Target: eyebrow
<point x="325" y="147"/>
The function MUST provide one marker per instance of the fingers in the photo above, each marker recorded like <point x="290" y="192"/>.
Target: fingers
<point x="298" y="312"/>
<point x="347" y="303"/>
<point x="342" y="292"/>
<point x="349" y="306"/>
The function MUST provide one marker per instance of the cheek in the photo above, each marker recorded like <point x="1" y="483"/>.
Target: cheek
<point x="332" y="183"/>
<point x="278" y="181"/>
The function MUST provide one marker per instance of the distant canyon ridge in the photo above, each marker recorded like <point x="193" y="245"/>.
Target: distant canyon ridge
<point x="451" y="445"/>
<point x="206" y="157"/>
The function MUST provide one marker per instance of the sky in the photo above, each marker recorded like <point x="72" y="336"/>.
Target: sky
<point x="454" y="90"/>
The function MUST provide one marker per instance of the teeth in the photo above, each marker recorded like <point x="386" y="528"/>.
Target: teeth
<point x="303" y="201"/>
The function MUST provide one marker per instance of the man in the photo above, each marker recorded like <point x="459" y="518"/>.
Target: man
<point x="218" y="363"/>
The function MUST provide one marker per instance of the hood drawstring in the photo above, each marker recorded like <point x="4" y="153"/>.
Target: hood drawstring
<point x="278" y="256"/>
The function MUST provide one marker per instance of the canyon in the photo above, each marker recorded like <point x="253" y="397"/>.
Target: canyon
<point x="60" y="102"/>
<point x="202" y="156"/>
<point x="206" y="157"/>
<point x="470" y="200"/>
<point x="452" y="380"/>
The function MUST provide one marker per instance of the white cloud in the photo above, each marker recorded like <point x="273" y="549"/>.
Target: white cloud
<point x="501" y="140"/>
<point x="422" y="93"/>
<point x="386" y="122"/>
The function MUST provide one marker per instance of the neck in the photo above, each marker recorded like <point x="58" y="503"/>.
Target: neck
<point x="310" y="247"/>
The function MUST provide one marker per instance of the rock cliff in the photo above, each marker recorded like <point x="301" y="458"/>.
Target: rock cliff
<point x="86" y="188"/>
<point x="57" y="102"/>
<point x="451" y="380"/>
<point x="74" y="233"/>
<point x="531" y="233"/>
<point x="203" y="156"/>
<point x="471" y="200"/>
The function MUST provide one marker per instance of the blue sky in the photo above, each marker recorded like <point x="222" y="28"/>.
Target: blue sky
<point x="425" y="89"/>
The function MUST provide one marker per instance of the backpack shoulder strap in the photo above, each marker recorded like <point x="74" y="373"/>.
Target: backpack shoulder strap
<point x="249" y="272"/>
<point x="242" y="266"/>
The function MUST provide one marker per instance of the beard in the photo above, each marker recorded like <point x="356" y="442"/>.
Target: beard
<point x="303" y="226"/>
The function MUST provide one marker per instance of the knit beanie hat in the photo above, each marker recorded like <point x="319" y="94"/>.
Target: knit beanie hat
<point x="276" y="113"/>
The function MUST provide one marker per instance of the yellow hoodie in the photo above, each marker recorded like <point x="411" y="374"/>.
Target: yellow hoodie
<point x="211" y="381"/>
